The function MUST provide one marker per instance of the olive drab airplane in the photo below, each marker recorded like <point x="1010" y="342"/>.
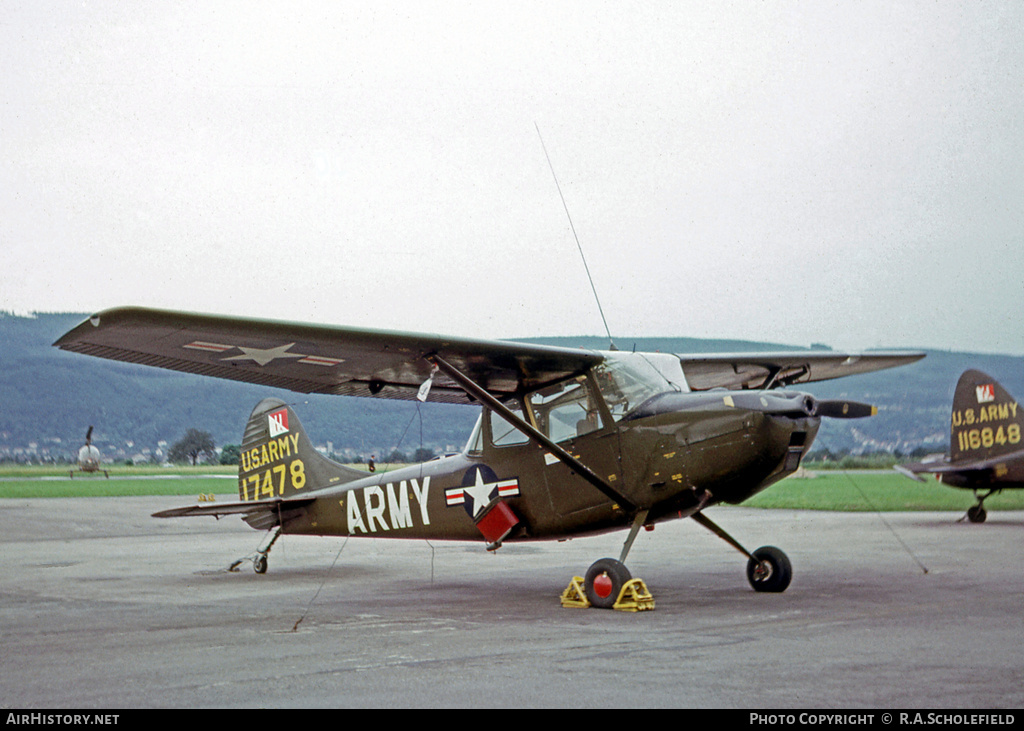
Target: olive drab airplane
<point x="569" y="442"/>
<point x="985" y="450"/>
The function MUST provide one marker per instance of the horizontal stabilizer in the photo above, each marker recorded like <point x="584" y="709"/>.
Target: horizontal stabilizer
<point x="944" y="467"/>
<point x="218" y="510"/>
<point x="907" y="472"/>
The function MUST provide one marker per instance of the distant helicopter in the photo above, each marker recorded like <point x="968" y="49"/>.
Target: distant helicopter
<point x="89" y="457"/>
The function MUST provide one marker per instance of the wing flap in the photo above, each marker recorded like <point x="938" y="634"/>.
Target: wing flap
<point x="764" y="370"/>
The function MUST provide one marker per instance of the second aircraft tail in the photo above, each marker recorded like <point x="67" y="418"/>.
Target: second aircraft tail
<point x="986" y="421"/>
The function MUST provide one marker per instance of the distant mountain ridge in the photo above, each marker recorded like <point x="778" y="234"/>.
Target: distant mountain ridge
<point x="49" y="398"/>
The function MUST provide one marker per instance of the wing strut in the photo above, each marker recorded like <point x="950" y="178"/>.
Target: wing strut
<point x="714" y="528"/>
<point x="481" y="394"/>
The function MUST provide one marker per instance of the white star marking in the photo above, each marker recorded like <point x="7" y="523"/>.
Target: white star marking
<point x="479" y="492"/>
<point x="262" y="356"/>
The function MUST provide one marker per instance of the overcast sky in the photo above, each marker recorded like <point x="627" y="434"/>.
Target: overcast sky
<point x="796" y="172"/>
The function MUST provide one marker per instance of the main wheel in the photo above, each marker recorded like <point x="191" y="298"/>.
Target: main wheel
<point x="259" y="564"/>
<point x="771" y="571"/>
<point x="604" y="580"/>
<point x="976" y="514"/>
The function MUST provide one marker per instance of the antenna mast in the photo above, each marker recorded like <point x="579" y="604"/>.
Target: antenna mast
<point x="578" y="246"/>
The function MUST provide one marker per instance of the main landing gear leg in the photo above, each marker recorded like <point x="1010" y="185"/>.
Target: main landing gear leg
<point x="768" y="568"/>
<point x="608" y="584"/>
<point x="638" y="523"/>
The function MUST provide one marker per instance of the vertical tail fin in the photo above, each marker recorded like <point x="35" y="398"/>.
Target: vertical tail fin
<point x="986" y="421"/>
<point x="279" y="460"/>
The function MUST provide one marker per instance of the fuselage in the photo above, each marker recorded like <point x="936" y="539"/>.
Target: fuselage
<point x="89" y="458"/>
<point x="1003" y="476"/>
<point x="632" y="422"/>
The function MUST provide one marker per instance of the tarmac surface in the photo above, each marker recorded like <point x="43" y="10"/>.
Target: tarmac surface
<point x="104" y="607"/>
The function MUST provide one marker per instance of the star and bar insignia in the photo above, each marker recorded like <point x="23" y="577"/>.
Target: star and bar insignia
<point x="262" y="356"/>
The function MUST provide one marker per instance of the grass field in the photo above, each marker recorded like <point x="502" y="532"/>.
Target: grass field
<point x="868" y="490"/>
<point x="33" y="482"/>
<point x="826" y="490"/>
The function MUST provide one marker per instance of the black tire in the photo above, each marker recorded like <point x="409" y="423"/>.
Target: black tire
<point x="771" y="571"/>
<point x="259" y="564"/>
<point x="976" y="514"/>
<point x="605" y="594"/>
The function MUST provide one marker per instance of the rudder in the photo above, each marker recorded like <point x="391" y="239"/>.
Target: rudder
<point x="279" y="460"/>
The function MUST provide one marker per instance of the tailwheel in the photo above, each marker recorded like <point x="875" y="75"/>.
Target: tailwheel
<point x="977" y="514"/>
<point x="604" y="581"/>
<point x="259" y="559"/>
<point x="769" y="570"/>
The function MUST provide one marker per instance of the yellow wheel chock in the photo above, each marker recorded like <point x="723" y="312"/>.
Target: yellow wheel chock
<point x="634" y="596"/>
<point x="574" y="595"/>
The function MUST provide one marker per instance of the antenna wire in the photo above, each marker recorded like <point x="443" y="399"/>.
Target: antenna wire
<point x="578" y="245"/>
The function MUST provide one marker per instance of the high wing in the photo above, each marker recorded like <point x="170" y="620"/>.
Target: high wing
<point x="319" y="358"/>
<point x="769" y="370"/>
<point x="362" y="362"/>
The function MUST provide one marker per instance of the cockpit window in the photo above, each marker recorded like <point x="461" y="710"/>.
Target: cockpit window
<point x="566" y="411"/>
<point x="504" y="434"/>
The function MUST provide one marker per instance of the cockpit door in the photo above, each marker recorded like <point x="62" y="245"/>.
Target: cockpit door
<point x="573" y="415"/>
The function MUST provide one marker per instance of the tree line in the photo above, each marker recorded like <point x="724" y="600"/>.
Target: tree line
<point x="198" y="447"/>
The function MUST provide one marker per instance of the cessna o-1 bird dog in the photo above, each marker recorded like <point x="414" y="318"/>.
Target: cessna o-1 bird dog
<point x="569" y="442"/>
<point x="985" y="451"/>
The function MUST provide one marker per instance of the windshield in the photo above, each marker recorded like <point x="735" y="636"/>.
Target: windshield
<point x="627" y="380"/>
